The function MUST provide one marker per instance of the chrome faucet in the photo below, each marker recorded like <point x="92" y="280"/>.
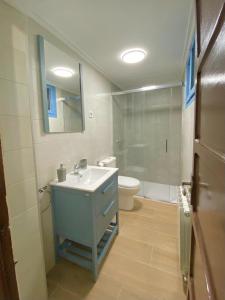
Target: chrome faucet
<point x="83" y="163"/>
<point x="76" y="169"/>
<point x="80" y="166"/>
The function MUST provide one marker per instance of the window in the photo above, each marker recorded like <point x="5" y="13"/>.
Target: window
<point x="190" y="76"/>
<point x="51" y="98"/>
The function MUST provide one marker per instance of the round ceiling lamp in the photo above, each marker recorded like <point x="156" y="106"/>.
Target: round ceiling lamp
<point x="133" y="56"/>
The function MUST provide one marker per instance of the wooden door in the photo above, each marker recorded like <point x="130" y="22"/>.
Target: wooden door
<point x="8" y="284"/>
<point x="207" y="277"/>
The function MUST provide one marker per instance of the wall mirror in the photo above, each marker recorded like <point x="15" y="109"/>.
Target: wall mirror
<point x="61" y="82"/>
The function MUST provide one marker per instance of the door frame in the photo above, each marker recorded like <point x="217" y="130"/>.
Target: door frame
<point x="201" y="150"/>
<point x="8" y="283"/>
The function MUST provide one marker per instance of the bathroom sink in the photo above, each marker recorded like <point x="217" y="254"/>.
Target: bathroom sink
<point x="91" y="175"/>
<point x="87" y="180"/>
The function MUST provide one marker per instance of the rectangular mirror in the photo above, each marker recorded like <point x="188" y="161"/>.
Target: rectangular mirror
<point x="61" y="82"/>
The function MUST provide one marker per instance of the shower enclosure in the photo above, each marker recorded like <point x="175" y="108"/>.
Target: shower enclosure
<point x="147" y="139"/>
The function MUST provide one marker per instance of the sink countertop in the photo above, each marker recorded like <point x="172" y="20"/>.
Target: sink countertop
<point x="86" y="181"/>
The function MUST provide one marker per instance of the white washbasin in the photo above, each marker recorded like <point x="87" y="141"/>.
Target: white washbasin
<point x="87" y="180"/>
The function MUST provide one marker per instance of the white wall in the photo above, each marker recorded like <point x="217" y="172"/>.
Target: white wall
<point x="52" y="149"/>
<point x="18" y="156"/>
<point x="188" y="114"/>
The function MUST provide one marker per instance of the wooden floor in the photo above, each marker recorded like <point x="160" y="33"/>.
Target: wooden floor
<point x="141" y="265"/>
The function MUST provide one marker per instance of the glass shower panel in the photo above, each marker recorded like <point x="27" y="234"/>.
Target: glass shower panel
<point x="129" y="135"/>
<point x="174" y="145"/>
<point x="156" y="119"/>
<point x="135" y="137"/>
<point x="119" y="149"/>
<point x="147" y="133"/>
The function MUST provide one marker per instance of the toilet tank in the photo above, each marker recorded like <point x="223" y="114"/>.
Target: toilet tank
<point x="108" y="162"/>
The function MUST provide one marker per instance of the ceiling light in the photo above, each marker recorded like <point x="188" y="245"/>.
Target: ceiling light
<point x="63" y="72"/>
<point x="133" y="56"/>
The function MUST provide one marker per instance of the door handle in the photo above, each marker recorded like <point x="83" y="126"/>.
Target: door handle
<point x="166" y="145"/>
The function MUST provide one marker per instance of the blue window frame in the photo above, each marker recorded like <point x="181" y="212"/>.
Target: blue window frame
<point x="51" y="98"/>
<point x="190" y="76"/>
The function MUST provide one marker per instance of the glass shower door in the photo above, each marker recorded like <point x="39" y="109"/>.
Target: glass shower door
<point x="146" y="128"/>
<point x="174" y="145"/>
<point x="156" y="132"/>
<point x="136" y="140"/>
<point x="163" y="155"/>
<point x="129" y="135"/>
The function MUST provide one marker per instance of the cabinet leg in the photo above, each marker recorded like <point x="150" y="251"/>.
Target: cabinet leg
<point x="56" y="247"/>
<point x="95" y="276"/>
<point x="94" y="263"/>
<point x="117" y="222"/>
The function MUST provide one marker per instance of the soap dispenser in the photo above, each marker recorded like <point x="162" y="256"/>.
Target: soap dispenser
<point x="61" y="172"/>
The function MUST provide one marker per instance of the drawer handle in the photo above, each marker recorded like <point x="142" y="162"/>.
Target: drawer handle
<point x="108" y="187"/>
<point x="108" y="208"/>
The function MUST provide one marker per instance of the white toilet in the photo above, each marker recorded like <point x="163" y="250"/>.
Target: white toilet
<point x="128" y="186"/>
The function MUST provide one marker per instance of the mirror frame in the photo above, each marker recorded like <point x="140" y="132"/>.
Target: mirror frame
<point x="41" y="54"/>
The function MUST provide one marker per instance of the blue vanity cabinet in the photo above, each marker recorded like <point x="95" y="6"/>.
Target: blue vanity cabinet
<point x="72" y="215"/>
<point x="85" y="223"/>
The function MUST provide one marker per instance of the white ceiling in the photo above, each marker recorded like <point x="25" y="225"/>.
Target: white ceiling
<point x="102" y="29"/>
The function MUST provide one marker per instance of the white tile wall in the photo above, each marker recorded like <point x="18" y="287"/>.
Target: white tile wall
<point x="12" y="64"/>
<point x="52" y="149"/>
<point x="19" y="165"/>
<point x="17" y="103"/>
<point x="18" y="157"/>
<point x="26" y="190"/>
<point x="27" y="250"/>
<point x="15" y="132"/>
<point x="48" y="237"/>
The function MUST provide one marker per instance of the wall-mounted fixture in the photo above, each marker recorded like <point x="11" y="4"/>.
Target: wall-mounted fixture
<point x="60" y="79"/>
<point x="133" y="56"/>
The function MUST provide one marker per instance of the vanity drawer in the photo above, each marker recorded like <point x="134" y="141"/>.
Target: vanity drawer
<point x="105" y="217"/>
<point x="105" y="194"/>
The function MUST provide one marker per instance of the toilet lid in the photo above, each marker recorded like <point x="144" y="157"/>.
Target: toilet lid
<point x="128" y="182"/>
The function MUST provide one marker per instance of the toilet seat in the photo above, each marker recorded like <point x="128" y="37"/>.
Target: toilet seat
<point x="128" y="182"/>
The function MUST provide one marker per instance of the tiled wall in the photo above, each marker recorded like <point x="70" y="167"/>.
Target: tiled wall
<point x="18" y="156"/>
<point x="52" y="149"/>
